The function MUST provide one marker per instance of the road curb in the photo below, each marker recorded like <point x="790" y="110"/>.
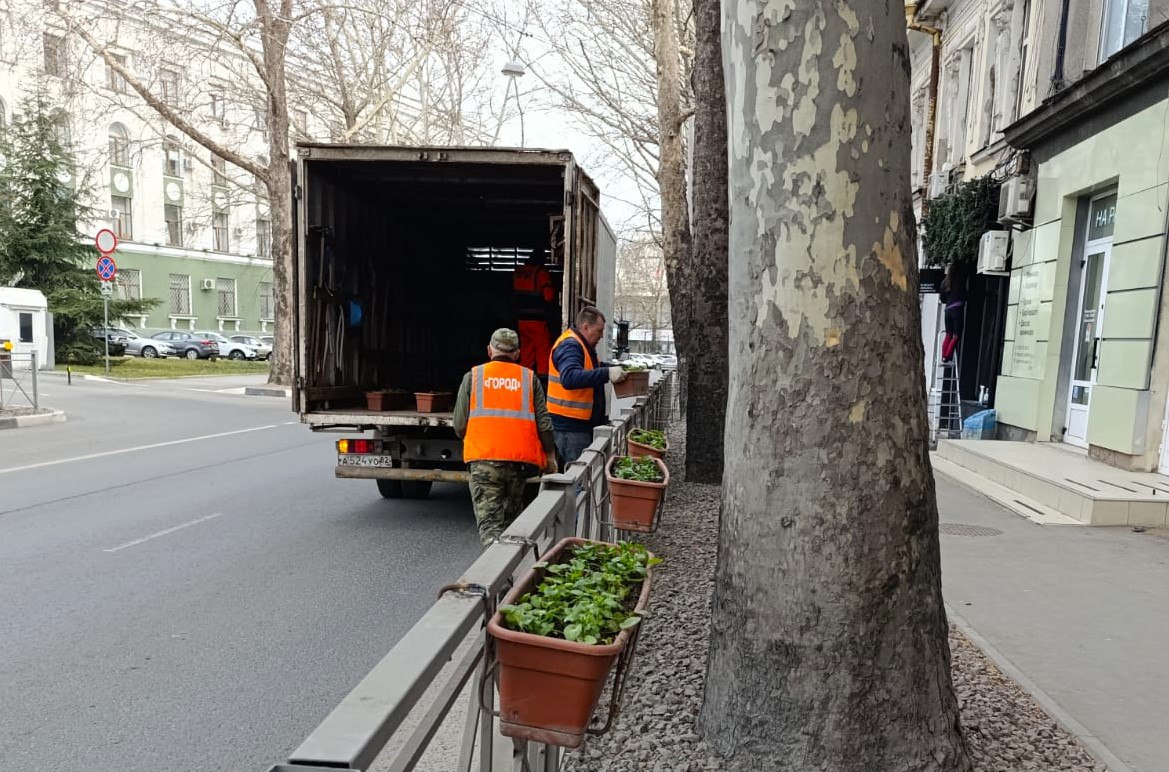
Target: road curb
<point x="37" y="419"/>
<point x="267" y="391"/>
<point x="1052" y="708"/>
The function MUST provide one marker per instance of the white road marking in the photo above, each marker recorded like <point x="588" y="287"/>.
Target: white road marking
<point x="163" y="533"/>
<point x="142" y="447"/>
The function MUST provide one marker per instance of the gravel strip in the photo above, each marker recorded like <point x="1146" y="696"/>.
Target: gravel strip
<point x="1007" y="730"/>
<point x="13" y="412"/>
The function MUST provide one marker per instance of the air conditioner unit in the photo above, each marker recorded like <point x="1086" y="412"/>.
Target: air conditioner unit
<point x="1015" y="201"/>
<point x="238" y="233"/>
<point x="939" y="184"/>
<point x="209" y="284"/>
<point x="115" y="214"/>
<point x="992" y="252"/>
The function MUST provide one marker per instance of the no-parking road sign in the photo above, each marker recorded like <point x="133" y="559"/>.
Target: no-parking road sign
<point x="107" y="269"/>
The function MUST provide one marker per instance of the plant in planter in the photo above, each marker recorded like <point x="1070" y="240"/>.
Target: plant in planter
<point x="636" y="486"/>
<point x="387" y="399"/>
<point x="559" y="632"/>
<point x="648" y="442"/>
<point x="434" y="401"/>
<point x="636" y="383"/>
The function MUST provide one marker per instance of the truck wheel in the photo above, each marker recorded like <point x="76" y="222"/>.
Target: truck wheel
<point x="413" y="489"/>
<point x="390" y="489"/>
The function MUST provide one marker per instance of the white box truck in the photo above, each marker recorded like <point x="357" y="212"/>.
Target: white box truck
<point x="403" y="268"/>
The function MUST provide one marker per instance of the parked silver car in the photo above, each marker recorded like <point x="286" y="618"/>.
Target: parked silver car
<point x="150" y="348"/>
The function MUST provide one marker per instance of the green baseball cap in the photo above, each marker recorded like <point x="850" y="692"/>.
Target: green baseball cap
<point x="505" y="341"/>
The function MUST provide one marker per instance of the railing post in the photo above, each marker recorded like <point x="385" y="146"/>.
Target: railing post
<point x="36" y="406"/>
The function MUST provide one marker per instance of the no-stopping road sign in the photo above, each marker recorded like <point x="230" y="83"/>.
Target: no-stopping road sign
<point x="105" y="241"/>
<point x="107" y="269"/>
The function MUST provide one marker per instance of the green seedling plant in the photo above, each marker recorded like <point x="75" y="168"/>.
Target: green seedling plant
<point x="587" y="598"/>
<point x="642" y="469"/>
<point x="632" y="368"/>
<point x="651" y="437"/>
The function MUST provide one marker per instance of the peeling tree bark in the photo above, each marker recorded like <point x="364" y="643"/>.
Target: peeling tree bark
<point x="828" y="647"/>
<point x="706" y="362"/>
<point x="672" y="167"/>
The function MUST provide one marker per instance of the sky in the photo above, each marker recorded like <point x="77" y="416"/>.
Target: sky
<point x="547" y="128"/>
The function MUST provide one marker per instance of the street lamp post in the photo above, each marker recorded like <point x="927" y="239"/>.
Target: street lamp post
<point x="514" y="70"/>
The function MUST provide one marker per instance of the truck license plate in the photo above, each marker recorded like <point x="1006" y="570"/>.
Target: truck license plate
<point x="352" y="459"/>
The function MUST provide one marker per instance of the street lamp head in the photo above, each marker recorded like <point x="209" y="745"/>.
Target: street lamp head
<point x="514" y="69"/>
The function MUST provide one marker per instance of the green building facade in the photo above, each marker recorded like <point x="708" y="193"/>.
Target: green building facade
<point x="1085" y="360"/>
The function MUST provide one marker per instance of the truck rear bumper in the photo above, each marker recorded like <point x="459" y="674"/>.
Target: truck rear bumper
<point x="416" y="475"/>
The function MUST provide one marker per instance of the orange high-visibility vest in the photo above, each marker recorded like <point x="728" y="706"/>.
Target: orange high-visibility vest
<point x="533" y="288"/>
<point x="501" y="424"/>
<point x="570" y="403"/>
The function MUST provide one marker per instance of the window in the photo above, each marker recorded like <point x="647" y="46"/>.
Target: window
<point x="54" y="55"/>
<point x="119" y="145"/>
<point x="61" y="130"/>
<point x="261" y="119"/>
<point x="219" y="169"/>
<point x="263" y="237"/>
<point x="3" y="115"/>
<point x="174" y="224"/>
<point x="225" y="289"/>
<point x="1124" y="21"/>
<point x="219" y="225"/>
<point x="129" y="284"/>
<point x="180" y="294"/>
<point x="218" y="105"/>
<point x="120" y="213"/>
<point x="172" y="157"/>
<point x="168" y="82"/>
<point x="300" y="120"/>
<point x="115" y="80"/>
<point x="267" y="301"/>
<point x="25" y="327"/>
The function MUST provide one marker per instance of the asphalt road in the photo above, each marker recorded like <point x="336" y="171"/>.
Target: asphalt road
<point x="185" y="586"/>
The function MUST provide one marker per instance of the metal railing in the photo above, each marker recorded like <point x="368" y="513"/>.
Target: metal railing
<point x="18" y="380"/>
<point x="403" y="702"/>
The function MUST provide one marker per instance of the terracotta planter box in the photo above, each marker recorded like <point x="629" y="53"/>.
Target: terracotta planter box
<point x="636" y="384"/>
<point x="549" y="687"/>
<point x="387" y="400"/>
<point x="434" y="401"/>
<point x="635" y="503"/>
<point x="636" y="449"/>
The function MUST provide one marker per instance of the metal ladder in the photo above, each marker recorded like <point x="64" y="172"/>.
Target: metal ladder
<point x="947" y="408"/>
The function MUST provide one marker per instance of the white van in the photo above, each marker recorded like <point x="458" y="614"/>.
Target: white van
<point x="24" y="320"/>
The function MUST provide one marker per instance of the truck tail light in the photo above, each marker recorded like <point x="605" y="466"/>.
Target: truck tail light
<point x="357" y="446"/>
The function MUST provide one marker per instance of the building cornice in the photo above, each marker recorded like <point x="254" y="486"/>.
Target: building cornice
<point x="1130" y="70"/>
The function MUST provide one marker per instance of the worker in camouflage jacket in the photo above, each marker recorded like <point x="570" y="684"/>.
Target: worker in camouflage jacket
<point x="502" y="416"/>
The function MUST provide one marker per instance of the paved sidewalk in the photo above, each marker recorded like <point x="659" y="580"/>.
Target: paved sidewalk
<point x="1082" y="612"/>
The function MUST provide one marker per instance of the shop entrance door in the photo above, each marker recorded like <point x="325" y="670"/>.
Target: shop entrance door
<point x="1090" y="317"/>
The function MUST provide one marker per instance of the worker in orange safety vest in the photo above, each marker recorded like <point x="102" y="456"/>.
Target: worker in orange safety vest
<point x="537" y="314"/>
<point x="502" y="416"/>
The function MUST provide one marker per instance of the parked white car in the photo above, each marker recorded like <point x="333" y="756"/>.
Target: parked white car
<point x="263" y="350"/>
<point x="230" y="348"/>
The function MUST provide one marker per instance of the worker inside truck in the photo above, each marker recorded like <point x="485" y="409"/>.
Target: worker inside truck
<point x="537" y="312"/>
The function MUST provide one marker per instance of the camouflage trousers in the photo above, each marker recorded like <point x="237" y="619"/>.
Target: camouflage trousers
<point x="497" y="493"/>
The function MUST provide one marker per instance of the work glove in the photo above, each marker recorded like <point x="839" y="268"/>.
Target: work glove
<point x="550" y="465"/>
<point x="617" y="374"/>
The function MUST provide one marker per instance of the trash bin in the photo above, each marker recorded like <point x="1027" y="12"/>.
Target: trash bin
<point x="980" y="426"/>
